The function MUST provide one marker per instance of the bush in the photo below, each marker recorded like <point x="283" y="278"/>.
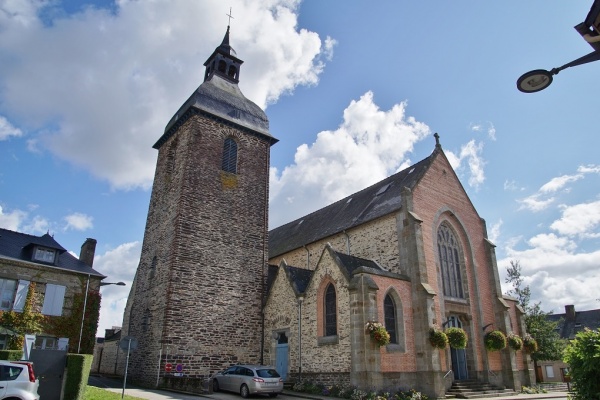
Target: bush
<point x="583" y="357"/>
<point x="437" y="338"/>
<point x="514" y="341"/>
<point x="533" y="390"/>
<point x="494" y="340"/>
<point x="457" y="337"/>
<point x="78" y="372"/>
<point x="530" y="344"/>
<point x="378" y="332"/>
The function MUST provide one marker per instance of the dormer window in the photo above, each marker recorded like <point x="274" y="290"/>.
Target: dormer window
<point x="44" y="255"/>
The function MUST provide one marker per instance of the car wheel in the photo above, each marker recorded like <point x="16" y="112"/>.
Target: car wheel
<point x="244" y="392"/>
<point x="215" y="385"/>
<point x="273" y="394"/>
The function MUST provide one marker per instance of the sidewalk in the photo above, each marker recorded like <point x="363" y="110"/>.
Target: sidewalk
<point x="550" y="395"/>
<point x="115" y="385"/>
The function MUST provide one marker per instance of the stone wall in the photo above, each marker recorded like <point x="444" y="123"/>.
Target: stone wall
<point x="199" y="286"/>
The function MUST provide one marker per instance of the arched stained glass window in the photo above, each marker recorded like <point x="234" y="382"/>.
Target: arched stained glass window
<point x="229" y="163"/>
<point x="449" y="253"/>
<point x="391" y="324"/>
<point x="330" y="311"/>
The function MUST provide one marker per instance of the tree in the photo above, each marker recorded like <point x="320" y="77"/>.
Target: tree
<point x="550" y="345"/>
<point x="583" y="357"/>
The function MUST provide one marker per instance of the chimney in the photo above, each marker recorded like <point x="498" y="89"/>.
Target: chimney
<point x="88" y="249"/>
<point x="570" y="312"/>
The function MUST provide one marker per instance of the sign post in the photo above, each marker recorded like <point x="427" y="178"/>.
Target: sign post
<point x="127" y="343"/>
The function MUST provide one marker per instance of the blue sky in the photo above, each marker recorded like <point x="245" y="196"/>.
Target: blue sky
<point x="354" y="92"/>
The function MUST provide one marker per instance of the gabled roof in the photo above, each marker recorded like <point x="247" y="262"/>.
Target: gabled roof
<point x="569" y="327"/>
<point x="14" y="245"/>
<point x="377" y="200"/>
<point x="351" y="263"/>
<point x="299" y="278"/>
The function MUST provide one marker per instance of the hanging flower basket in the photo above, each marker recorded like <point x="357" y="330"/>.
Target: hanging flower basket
<point x="514" y="341"/>
<point x="438" y="338"/>
<point x="378" y="333"/>
<point x="494" y="341"/>
<point x="530" y="344"/>
<point x="457" y="337"/>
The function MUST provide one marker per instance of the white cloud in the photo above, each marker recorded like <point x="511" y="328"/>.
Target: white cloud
<point x="580" y="219"/>
<point x="7" y="130"/>
<point x="79" y="222"/>
<point x="368" y="146"/>
<point x="37" y="225"/>
<point x="119" y="265"/>
<point x="471" y="152"/>
<point x="494" y="232"/>
<point x="12" y="220"/>
<point x="555" y="184"/>
<point x="491" y="129"/>
<point x="106" y="83"/>
<point x="534" y="203"/>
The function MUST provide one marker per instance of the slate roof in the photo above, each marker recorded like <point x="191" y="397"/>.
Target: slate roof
<point x="14" y="245"/>
<point x="351" y="263"/>
<point x="583" y="319"/>
<point x="300" y="278"/>
<point x="373" y="202"/>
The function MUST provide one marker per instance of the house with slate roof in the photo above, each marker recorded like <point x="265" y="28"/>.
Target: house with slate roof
<point x="409" y="252"/>
<point x="570" y="323"/>
<point x="58" y="280"/>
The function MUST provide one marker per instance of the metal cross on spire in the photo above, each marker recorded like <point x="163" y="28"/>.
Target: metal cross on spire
<point x="230" y="16"/>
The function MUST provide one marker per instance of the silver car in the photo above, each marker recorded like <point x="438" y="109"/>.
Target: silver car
<point x="248" y="379"/>
<point x="18" y="381"/>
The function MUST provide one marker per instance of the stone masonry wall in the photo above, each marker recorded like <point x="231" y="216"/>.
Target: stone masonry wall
<point x="198" y="303"/>
<point x="74" y="283"/>
<point x="375" y="240"/>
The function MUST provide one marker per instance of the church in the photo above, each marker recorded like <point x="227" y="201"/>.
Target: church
<point x="215" y="288"/>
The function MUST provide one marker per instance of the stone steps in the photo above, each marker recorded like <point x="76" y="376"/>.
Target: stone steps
<point x="473" y="389"/>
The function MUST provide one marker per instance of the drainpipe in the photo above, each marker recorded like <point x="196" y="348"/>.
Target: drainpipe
<point x="300" y="299"/>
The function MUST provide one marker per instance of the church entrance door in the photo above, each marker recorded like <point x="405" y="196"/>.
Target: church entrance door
<point x="281" y="356"/>
<point x="458" y="356"/>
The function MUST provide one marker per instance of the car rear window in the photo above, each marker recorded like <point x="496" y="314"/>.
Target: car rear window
<point x="267" y="373"/>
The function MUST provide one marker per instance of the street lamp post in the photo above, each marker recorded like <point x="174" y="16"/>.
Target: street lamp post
<point x="540" y="79"/>
<point x="87" y="286"/>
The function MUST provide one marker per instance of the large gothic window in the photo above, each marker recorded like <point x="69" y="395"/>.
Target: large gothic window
<point x="330" y="311"/>
<point x="229" y="163"/>
<point x="449" y="253"/>
<point x="389" y="313"/>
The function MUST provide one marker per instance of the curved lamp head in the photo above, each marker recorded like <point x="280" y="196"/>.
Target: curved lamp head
<point x="534" y="81"/>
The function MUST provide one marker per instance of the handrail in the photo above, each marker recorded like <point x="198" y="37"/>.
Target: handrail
<point x="492" y="373"/>
<point x="448" y="373"/>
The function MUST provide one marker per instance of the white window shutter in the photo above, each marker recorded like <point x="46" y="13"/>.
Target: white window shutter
<point x="21" y="296"/>
<point x="53" y="300"/>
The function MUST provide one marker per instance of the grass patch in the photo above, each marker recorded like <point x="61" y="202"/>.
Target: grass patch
<point x="94" y="393"/>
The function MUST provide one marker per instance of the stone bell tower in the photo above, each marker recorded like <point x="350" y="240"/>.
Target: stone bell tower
<point x="196" y="299"/>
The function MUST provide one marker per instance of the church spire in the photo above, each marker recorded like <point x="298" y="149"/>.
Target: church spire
<point x="223" y="62"/>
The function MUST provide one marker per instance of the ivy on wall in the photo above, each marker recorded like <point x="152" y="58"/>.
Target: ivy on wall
<point x="27" y="321"/>
<point x="31" y="321"/>
<point x="70" y="325"/>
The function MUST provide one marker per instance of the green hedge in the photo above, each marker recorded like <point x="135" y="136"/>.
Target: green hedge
<point x="78" y="372"/>
<point x="11" y="355"/>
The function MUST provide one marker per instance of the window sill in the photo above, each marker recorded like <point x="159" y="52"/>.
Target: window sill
<point x="327" y="340"/>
